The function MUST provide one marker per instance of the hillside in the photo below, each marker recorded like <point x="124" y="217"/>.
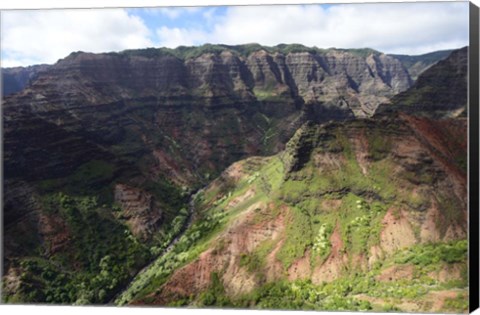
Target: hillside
<point x="365" y="215"/>
<point x="440" y="91"/>
<point x="419" y="63"/>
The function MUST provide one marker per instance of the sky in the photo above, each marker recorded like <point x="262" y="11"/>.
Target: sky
<point x="44" y="36"/>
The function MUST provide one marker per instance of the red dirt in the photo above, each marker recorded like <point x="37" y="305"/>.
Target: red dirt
<point x="300" y="268"/>
<point x="335" y="263"/>
<point x="242" y="237"/>
<point x="397" y="232"/>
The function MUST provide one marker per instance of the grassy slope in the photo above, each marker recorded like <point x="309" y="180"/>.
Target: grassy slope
<point x="364" y="202"/>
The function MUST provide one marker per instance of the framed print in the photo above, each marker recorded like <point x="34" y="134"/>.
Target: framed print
<point x="277" y="156"/>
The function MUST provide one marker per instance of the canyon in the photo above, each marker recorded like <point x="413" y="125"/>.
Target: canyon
<point x="317" y="166"/>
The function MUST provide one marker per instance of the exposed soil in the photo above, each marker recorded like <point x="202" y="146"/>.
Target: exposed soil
<point x="360" y="144"/>
<point x="326" y="162"/>
<point x="242" y="198"/>
<point x="331" y="204"/>
<point x="139" y="209"/>
<point x="11" y="280"/>
<point x="235" y="171"/>
<point x="166" y="165"/>
<point x="447" y="142"/>
<point x="447" y="272"/>
<point x="397" y="272"/>
<point x="376" y="253"/>
<point x="300" y="268"/>
<point x="241" y="237"/>
<point x="429" y="231"/>
<point x="273" y="267"/>
<point x="54" y="232"/>
<point x="397" y="232"/>
<point x="335" y="263"/>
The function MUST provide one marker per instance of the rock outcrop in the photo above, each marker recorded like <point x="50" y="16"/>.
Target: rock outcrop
<point x="139" y="209"/>
<point x="440" y="91"/>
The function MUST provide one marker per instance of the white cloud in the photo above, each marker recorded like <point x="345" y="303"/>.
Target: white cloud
<point x="410" y="28"/>
<point x="30" y="37"/>
<point x="172" y="13"/>
<point x="401" y="28"/>
<point x="209" y="15"/>
<point x="174" y="37"/>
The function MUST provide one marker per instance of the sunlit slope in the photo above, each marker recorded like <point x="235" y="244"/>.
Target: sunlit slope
<point x="362" y="215"/>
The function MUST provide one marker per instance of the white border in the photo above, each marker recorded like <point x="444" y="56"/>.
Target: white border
<point x="46" y="4"/>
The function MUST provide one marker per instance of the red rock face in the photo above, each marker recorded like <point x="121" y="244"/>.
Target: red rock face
<point x="139" y="209"/>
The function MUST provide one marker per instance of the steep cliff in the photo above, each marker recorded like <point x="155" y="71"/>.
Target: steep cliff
<point x="418" y="64"/>
<point x="185" y="113"/>
<point x="440" y="91"/>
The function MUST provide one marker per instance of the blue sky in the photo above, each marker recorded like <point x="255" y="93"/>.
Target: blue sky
<point x="44" y="36"/>
<point x="178" y="16"/>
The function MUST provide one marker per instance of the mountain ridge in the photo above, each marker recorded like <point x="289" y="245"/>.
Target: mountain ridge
<point x="16" y="78"/>
<point x="416" y="64"/>
<point x="440" y="91"/>
<point x="108" y="150"/>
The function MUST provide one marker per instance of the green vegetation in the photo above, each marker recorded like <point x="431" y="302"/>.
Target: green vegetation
<point x="322" y="244"/>
<point x="299" y="235"/>
<point x="416" y="64"/>
<point x="458" y="303"/>
<point x="451" y="212"/>
<point x="330" y="201"/>
<point x="269" y="94"/>
<point x="429" y="254"/>
<point x="439" y="90"/>
<point x="251" y="262"/>
<point x="379" y="146"/>
<point x="344" y="173"/>
<point x="301" y="295"/>
<point x="215" y="295"/>
<point x="184" y="52"/>
<point x="324" y="199"/>
<point x="342" y="294"/>
<point x="91" y="178"/>
<point x="189" y="246"/>
<point x="361" y="52"/>
<point x="358" y="217"/>
<point x="84" y="274"/>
